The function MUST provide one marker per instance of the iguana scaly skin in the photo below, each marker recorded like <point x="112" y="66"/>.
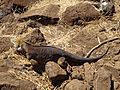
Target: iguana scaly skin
<point x="49" y="53"/>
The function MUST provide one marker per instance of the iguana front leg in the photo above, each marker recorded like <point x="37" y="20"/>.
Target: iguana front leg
<point x="28" y="56"/>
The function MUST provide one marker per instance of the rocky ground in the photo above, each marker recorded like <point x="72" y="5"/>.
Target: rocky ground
<point x="72" y="25"/>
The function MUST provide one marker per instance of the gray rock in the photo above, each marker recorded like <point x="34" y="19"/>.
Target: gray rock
<point x="2" y="14"/>
<point x="107" y="7"/>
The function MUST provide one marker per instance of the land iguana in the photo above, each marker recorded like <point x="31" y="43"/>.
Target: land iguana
<point x="50" y="53"/>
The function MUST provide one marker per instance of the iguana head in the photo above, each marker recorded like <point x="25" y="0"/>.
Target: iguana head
<point x="19" y="44"/>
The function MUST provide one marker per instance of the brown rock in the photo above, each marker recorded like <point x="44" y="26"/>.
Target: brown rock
<point x="26" y="85"/>
<point x="6" y="78"/>
<point x="5" y="44"/>
<point x="8" y="5"/>
<point x="48" y="10"/>
<point x="103" y="80"/>
<point x="89" y="72"/>
<point x="78" y="72"/>
<point x="12" y="28"/>
<point x="116" y="58"/>
<point x="18" y="30"/>
<point x="9" y="63"/>
<point x="4" y="65"/>
<point x="35" y="37"/>
<point x="114" y="71"/>
<point x="6" y="18"/>
<point x="75" y="85"/>
<point x="48" y="14"/>
<point x="2" y="14"/>
<point x="3" y="68"/>
<point x="55" y="72"/>
<point x="24" y="2"/>
<point x="33" y="24"/>
<point x="18" y="2"/>
<point x="10" y="82"/>
<point x="117" y="64"/>
<point x="5" y="5"/>
<point x="78" y="13"/>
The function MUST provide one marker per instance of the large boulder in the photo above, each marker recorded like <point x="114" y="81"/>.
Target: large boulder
<point x="48" y="14"/>
<point x="55" y="72"/>
<point x="79" y="13"/>
<point x="10" y="82"/>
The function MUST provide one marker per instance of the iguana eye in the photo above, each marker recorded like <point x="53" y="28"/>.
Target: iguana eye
<point x="19" y="48"/>
<point x="103" y="1"/>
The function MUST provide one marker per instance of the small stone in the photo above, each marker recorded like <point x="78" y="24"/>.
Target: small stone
<point x="35" y="38"/>
<point x="89" y="72"/>
<point x="103" y="80"/>
<point x="117" y="64"/>
<point x="33" y="24"/>
<point x="3" y="68"/>
<point x="116" y="58"/>
<point x="2" y="14"/>
<point x="55" y="73"/>
<point x="116" y="86"/>
<point x="5" y="44"/>
<point x="75" y="85"/>
<point x="78" y="72"/>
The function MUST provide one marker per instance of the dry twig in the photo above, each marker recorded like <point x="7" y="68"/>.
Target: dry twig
<point x="100" y="44"/>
